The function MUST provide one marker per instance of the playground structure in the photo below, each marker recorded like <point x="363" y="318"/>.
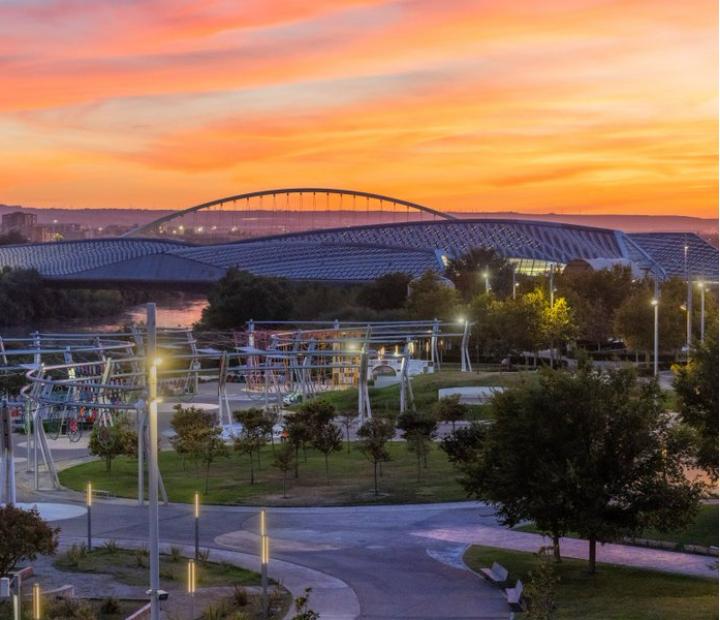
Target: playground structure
<point x="78" y="381"/>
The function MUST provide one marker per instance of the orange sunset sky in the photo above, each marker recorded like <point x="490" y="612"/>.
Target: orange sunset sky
<point x="591" y="106"/>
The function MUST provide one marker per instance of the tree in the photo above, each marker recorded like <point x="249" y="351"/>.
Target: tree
<point x="388" y="292"/>
<point x="467" y="273"/>
<point x="13" y="237"/>
<point x="587" y="451"/>
<point x="595" y="296"/>
<point x="432" y="297"/>
<point x="450" y="409"/>
<point x="634" y="320"/>
<point x="418" y="432"/>
<point x="109" y="442"/>
<point x="373" y="436"/>
<point x="298" y="434"/>
<point x="696" y="385"/>
<point x="198" y="437"/>
<point x="23" y="535"/>
<point x="327" y="438"/>
<point x="284" y="461"/>
<point x="348" y="417"/>
<point x="252" y="436"/>
<point x="557" y="324"/>
<point x="240" y="296"/>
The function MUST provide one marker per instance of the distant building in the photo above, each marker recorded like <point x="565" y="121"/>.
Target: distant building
<point x="19" y="222"/>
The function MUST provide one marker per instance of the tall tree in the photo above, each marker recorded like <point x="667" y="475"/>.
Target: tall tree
<point x="253" y="435"/>
<point x="387" y="292"/>
<point x="284" y="460"/>
<point x="432" y="297"/>
<point x="587" y="451"/>
<point x="373" y="436"/>
<point x="558" y="325"/>
<point x="468" y="273"/>
<point x="109" y="442"/>
<point x="450" y="409"/>
<point x="240" y="296"/>
<point x="419" y="430"/>
<point x="696" y="385"/>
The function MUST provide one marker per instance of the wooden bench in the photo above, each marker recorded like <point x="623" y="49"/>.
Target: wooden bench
<point x="514" y="596"/>
<point x="497" y="574"/>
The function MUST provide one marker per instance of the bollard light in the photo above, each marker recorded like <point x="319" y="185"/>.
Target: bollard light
<point x="196" y="513"/>
<point x="191" y="577"/>
<point x="264" y="560"/>
<point x="36" y="609"/>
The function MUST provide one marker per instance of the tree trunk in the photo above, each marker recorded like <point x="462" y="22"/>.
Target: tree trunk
<point x="252" y="470"/>
<point x="556" y="547"/>
<point x="592" y="554"/>
<point x="347" y="433"/>
<point x="375" y="476"/>
<point x="297" y="462"/>
<point x="284" y="484"/>
<point x="108" y="464"/>
<point x="327" y="469"/>
<point x="419" y="466"/>
<point x="207" y="476"/>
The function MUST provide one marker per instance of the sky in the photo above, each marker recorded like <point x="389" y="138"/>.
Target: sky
<point x="565" y="106"/>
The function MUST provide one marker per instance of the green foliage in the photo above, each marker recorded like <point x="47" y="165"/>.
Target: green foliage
<point x="109" y="606"/>
<point x="388" y="292"/>
<point x="23" y="535"/>
<point x="302" y="607"/>
<point x="108" y="442"/>
<point x="432" y="297"/>
<point x="541" y="590"/>
<point x="253" y="434"/>
<point x="696" y="385"/>
<point x="595" y="297"/>
<point x="240" y="296"/>
<point x="373" y="436"/>
<point x="614" y="593"/>
<point x="418" y="432"/>
<point x="467" y="273"/>
<point x="284" y="460"/>
<point x="11" y="383"/>
<point x="13" y="237"/>
<point x="450" y="409"/>
<point x="198" y="437"/>
<point x="588" y="451"/>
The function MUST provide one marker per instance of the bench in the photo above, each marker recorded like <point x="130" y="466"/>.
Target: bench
<point x="497" y="573"/>
<point x="514" y="596"/>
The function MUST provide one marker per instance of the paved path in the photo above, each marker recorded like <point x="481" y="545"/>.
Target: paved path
<point x="626" y="555"/>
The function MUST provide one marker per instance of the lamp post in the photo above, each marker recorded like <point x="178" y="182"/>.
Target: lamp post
<point x="264" y="559"/>
<point x="486" y="276"/>
<point x="702" y="311"/>
<point x="655" y="305"/>
<point x="88" y="503"/>
<point x="197" y="526"/>
<point x="154" y="525"/>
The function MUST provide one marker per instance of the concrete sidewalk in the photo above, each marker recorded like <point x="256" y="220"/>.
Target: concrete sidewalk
<point x="623" y="555"/>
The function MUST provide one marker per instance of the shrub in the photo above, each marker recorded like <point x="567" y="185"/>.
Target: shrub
<point x="109" y="606"/>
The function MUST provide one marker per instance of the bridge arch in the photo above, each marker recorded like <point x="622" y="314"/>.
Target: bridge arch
<point x="396" y="203"/>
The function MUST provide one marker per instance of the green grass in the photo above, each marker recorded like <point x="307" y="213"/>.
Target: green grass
<point x="386" y="400"/>
<point x="131" y="567"/>
<point x="702" y="531"/>
<point x="614" y="593"/>
<point x="350" y="479"/>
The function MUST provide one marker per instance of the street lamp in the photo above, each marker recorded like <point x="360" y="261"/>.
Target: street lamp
<point x="655" y="305"/>
<point x="702" y="310"/>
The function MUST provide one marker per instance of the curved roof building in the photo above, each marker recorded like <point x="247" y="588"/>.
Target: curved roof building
<point x="357" y="253"/>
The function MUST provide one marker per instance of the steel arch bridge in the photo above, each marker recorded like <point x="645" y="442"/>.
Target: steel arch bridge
<point x="284" y="210"/>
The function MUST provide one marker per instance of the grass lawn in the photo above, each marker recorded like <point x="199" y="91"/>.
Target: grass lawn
<point x="350" y="479"/>
<point x="702" y="531"/>
<point x="386" y="400"/>
<point x="130" y="566"/>
<point x="614" y="593"/>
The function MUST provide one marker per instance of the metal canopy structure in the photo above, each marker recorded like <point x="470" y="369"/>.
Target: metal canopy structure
<point x="80" y="379"/>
